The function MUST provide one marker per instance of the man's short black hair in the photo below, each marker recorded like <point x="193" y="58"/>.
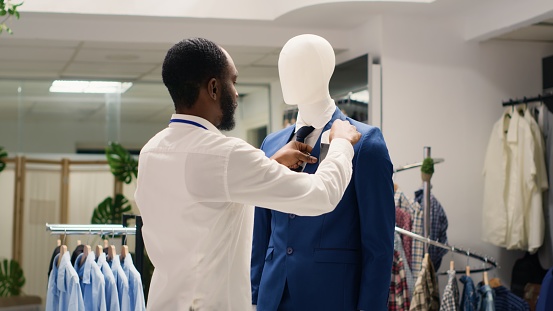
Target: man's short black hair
<point x="188" y="65"/>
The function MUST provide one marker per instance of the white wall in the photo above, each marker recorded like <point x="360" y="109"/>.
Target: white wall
<point x="444" y="92"/>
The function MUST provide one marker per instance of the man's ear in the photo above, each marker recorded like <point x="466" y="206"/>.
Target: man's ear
<point x="212" y="88"/>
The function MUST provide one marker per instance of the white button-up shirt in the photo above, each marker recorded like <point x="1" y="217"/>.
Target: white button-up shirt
<point x="512" y="212"/>
<point x="196" y="190"/>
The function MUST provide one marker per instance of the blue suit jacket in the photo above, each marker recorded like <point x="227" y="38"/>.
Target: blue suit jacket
<point x="339" y="261"/>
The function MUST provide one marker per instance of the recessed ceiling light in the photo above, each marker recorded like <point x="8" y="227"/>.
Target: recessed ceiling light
<point x="98" y="87"/>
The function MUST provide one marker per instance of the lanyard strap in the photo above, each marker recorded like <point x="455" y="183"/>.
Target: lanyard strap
<point x="188" y="122"/>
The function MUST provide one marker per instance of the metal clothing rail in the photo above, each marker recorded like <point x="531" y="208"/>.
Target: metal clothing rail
<point x="418" y="164"/>
<point x="524" y="100"/>
<point x="486" y="260"/>
<point x="59" y="229"/>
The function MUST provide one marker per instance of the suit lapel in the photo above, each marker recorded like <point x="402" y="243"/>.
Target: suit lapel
<point x="312" y="168"/>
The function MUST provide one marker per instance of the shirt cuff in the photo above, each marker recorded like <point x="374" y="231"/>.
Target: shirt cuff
<point x="343" y="146"/>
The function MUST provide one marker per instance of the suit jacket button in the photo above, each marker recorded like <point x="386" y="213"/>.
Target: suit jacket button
<point x="292" y="216"/>
<point x="289" y="250"/>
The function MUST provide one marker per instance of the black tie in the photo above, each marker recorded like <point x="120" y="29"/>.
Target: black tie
<point x="301" y="134"/>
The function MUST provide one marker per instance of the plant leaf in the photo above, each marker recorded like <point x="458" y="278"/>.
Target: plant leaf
<point x="110" y="210"/>
<point x="11" y="278"/>
<point x="122" y="164"/>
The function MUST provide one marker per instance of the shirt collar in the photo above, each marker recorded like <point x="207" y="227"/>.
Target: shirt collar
<point x="325" y="117"/>
<point x="202" y="121"/>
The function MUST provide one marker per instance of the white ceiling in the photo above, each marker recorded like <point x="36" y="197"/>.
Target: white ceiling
<point x="85" y="55"/>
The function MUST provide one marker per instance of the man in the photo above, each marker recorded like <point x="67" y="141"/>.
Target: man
<point x="195" y="186"/>
<point x="341" y="260"/>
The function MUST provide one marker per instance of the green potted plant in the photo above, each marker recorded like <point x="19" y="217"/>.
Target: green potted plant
<point x="11" y="278"/>
<point x="427" y="169"/>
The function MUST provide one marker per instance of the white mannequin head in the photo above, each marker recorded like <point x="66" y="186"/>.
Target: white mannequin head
<point x="305" y="66"/>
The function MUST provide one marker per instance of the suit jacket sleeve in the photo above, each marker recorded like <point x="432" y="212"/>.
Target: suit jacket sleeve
<point x="375" y="195"/>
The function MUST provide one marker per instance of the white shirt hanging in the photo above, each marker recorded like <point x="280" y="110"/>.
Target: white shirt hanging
<point x="511" y="192"/>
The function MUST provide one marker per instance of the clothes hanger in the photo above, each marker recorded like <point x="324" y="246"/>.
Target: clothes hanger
<point x="467" y="268"/>
<point x="98" y="251"/>
<point x="86" y="249"/>
<point x="111" y="249"/>
<point x="63" y="249"/>
<point x="485" y="274"/>
<point x="124" y="249"/>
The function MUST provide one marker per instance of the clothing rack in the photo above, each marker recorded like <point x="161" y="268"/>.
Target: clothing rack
<point x="546" y="98"/>
<point x="426" y="230"/>
<point x="486" y="260"/>
<point x="110" y="229"/>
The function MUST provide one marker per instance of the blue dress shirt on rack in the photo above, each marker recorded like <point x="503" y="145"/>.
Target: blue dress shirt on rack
<point x="112" y="300"/>
<point x="122" y="284"/>
<point x="64" y="292"/>
<point x="136" y="291"/>
<point x="93" y="285"/>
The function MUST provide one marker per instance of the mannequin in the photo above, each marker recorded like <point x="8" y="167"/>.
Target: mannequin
<point x="313" y="98"/>
<point x="341" y="260"/>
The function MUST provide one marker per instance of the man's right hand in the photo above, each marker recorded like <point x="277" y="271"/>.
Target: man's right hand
<point x="345" y="130"/>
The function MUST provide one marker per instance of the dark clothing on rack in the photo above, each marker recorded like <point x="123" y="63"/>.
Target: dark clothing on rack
<point x="438" y="227"/>
<point x="546" y="251"/>
<point x="469" y="300"/>
<point x="505" y="300"/>
<point x="56" y="251"/>
<point x="78" y="250"/>
<point x="526" y="270"/>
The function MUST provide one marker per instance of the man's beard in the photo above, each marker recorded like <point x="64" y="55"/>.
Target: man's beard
<point x="228" y="107"/>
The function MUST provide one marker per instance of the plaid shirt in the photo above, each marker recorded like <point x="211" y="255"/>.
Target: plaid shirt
<point x="403" y="220"/>
<point x="416" y="212"/>
<point x="438" y="228"/>
<point x="399" y="294"/>
<point x="426" y="296"/>
<point x="450" y="299"/>
<point x="398" y="246"/>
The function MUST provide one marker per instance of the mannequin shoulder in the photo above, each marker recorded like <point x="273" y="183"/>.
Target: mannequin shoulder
<point x="364" y="128"/>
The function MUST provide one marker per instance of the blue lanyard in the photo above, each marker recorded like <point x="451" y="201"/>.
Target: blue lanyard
<point x="188" y="122"/>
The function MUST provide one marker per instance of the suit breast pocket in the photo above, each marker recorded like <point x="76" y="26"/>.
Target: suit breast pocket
<point x="333" y="255"/>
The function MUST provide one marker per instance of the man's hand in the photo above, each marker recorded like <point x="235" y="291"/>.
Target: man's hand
<point x="294" y="154"/>
<point x="344" y="129"/>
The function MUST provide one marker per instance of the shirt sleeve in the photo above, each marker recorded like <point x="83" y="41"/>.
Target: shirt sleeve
<point x="254" y="179"/>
